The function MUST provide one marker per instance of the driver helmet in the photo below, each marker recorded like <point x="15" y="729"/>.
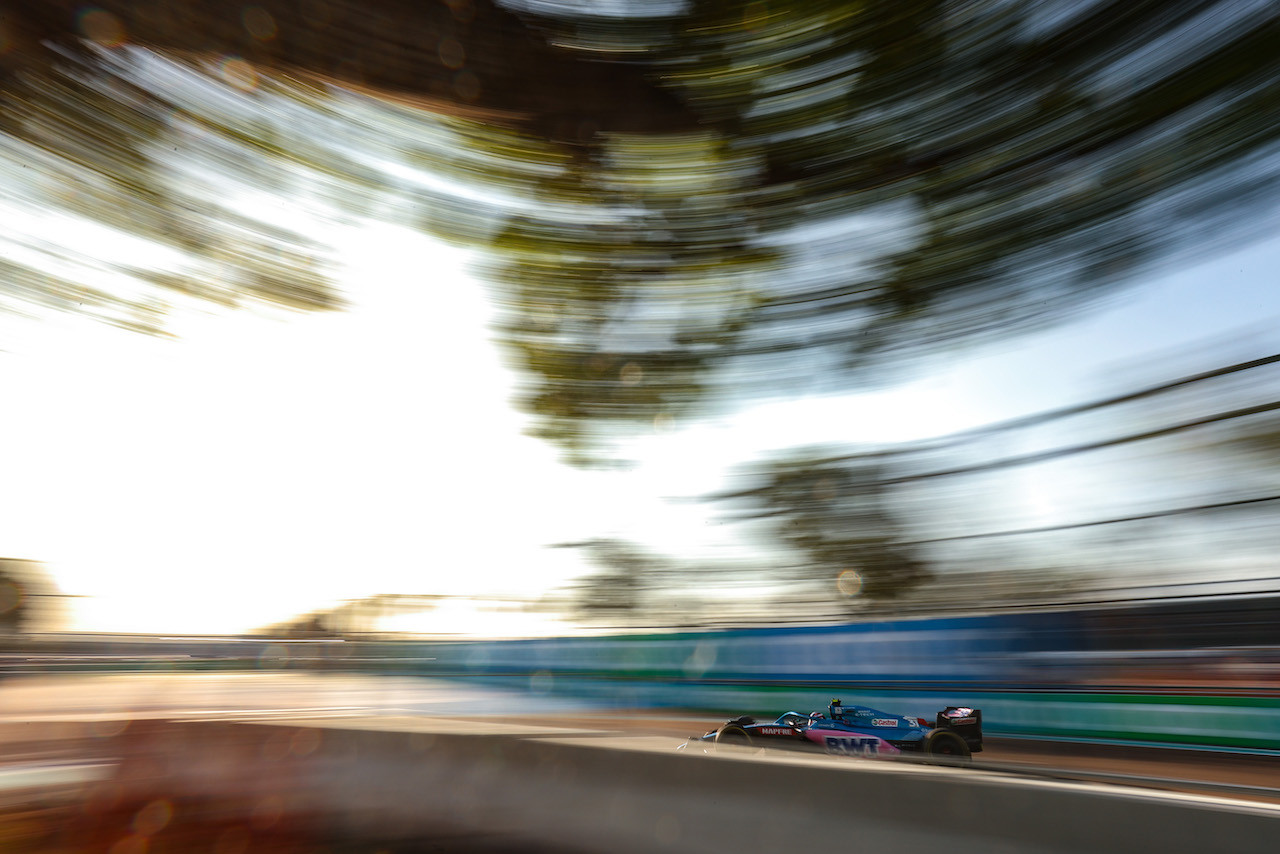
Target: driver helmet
<point x="836" y="709"/>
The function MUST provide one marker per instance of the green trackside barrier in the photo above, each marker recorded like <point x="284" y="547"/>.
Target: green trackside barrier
<point x="1236" y="722"/>
<point x="1027" y="672"/>
<point x="1242" y="723"/>
<point x="1223" y="722"/>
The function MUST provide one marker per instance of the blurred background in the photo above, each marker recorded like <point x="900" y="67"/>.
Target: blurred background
<point x="552" y="340"/>
<point x="535" y="316"/>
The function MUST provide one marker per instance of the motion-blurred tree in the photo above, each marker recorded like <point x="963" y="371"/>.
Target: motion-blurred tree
<point x="717" y="198"/>
<point x="29" y="599"/>
<point x="874" y="182"/>
<point x="620" y="591"/>
<point x="838" y="513"/>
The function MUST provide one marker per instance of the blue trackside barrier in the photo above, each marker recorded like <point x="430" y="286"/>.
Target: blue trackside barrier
<point x="1033" y="675"/>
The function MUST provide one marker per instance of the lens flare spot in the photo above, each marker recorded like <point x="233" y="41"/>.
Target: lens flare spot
<point x="152" y="818"/>
<point x="463" y="11"/>
<point x="10" y="596"/>
<point x="234" y="71"/>
<point x="273" y="656"/>
<point x="849" y="583"/>
<point x="631" y="374"/>
<point x="304" y="742"/>
<point x="452" y="54"/>
<point x="541" y="682"/>
<point x="108" y="728"/>
<point x="258" y="23"/>
<point x="700" y="660"/>
<point x="101" y="27"/>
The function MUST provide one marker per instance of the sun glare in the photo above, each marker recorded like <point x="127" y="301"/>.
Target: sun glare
<point x="258" y="467"/>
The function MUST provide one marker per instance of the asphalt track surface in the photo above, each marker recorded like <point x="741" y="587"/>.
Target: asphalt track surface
<point x="33" y="707"/>
<point x="1221" y="774"/>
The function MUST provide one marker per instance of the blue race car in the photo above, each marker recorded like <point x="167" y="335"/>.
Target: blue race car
<point x="956" y="731"/>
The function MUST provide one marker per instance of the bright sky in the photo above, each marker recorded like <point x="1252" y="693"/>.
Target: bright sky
<point x="261" y="466"/>
<point x="258" y="467"/>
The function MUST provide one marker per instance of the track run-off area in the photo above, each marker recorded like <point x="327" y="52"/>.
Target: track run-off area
<point x="47" y="718"/>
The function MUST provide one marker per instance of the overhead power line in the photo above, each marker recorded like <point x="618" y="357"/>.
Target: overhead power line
<point x="1138" y="517"/>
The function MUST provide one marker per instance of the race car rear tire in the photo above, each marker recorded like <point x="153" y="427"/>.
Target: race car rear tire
<point x="946" y="744"/>
<point x="733" y="735"/>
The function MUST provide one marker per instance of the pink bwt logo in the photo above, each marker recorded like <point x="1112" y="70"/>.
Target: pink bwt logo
<point x="852" y="745"/>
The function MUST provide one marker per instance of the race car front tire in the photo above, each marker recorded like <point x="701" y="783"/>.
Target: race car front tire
<point x="733" y="735"/>
<point x="945" y="743"/>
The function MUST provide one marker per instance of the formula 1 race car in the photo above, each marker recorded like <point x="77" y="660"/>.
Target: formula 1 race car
<point x="956" y="732"/>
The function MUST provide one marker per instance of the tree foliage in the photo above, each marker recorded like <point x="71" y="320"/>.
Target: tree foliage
<point x="839" y="514"/>
<point x="459" y="57"/>
<point x="620" y="591"/>
<point x="29" y="600"/>
<point x="684" y="204"/>
<point x="876" y="182"/>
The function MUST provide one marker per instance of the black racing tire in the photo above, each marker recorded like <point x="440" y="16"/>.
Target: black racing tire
<point x="733" y="735"/>
<point x="946" y="744"/>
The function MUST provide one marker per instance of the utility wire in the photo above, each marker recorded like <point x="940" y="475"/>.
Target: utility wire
<point x="1051" y="415"/>
<point x="1071" y="450"/>
<point x="1048" y="529"/>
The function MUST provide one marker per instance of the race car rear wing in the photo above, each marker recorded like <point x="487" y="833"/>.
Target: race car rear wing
<point x="964" y="722"/>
